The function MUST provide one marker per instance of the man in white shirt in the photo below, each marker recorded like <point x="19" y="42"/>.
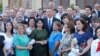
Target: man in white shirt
<point x="96" y="11"/>
<point x="60" y="12"/>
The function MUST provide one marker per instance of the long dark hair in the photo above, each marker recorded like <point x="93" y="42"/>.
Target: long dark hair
<point x="84" y="23"/>
<point x="6" y="28"/>
<point x="96" y="30"/>
<point x="40" y="19"/>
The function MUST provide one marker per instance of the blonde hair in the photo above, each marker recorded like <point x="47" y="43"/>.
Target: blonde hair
<point x="20" y="24"/>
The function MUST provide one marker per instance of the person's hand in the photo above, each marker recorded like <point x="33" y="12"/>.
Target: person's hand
<point x="43" y="42"/>
<point x="62" y="51"/>
<point x="29" y="47"/>
<point x="50" y="53"/>
<point x="79" y="54"/>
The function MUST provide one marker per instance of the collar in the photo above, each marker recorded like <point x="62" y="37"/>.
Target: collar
<point x="89" y="15"/>
<point x="60" y="13"/>
<point x="50" y="18"/>
<point x="97" y="40"/>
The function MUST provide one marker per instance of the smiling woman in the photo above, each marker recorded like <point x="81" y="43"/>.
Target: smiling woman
<point x="21" y="41"/>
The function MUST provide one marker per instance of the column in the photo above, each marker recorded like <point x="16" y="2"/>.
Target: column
<point x="33" y="4"/>
<point x="4" y="4"/>
<point x="36" y="4"/>
<point x="26" y="4"/>
<point x="73" y="2"/>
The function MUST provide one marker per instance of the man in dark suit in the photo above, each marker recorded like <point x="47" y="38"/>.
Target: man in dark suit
<point x="96" y="10"/>
<point x="48" y="21"/>
<point x="22" y="10"/>
<point x="88" y="14"/>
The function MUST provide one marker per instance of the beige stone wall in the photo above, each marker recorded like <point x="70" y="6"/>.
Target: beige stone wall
<point x="36" y="4"/>
<point x="0" y="1"/>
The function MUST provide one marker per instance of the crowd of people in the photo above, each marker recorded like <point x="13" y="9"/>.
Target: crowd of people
<point x="50" y="31"/>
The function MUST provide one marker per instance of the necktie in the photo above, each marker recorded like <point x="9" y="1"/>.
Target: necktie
<point x="49" y="24"/>
<point x="98" y="47"/>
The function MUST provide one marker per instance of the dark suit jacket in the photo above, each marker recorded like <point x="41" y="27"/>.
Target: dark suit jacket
<point x="95" y="12"/>
<point x="1" y="45"/>
<point x="46" y="26"/>
<point x="88" y="19"/>
<point x="25" y="18"/>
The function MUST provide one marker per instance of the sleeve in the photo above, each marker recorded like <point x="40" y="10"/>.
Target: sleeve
<point x="58" y="37"/>
<point x="32" y="35"/>
<point x="16" y="41"/>
<point x="46" y="32"/>
<point x="93" y="48"/>
<point x="90" y="35"/>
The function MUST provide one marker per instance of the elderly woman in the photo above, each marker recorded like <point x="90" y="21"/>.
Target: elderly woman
<point x="21" y="41"/>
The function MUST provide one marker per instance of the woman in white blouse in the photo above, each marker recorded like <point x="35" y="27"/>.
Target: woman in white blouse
<point x="31" y="25"/>
<point x="95" y="47"/>
<point x="8" y="42"/>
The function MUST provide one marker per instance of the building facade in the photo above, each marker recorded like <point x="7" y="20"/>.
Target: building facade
<point x="35" y="4"/>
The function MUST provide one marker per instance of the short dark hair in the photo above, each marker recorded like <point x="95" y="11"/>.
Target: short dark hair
<point x="89" y="7"/>
<point x="64" y="15"/>
<point x="30" y="19"/>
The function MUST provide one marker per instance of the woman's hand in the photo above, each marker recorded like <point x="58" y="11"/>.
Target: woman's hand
<point x="79" y="54"/>
<point x="29" y="47"/>
<point x="42" y="42"/>
<point x="50" y="53"/>
<point x="62" y="51"/>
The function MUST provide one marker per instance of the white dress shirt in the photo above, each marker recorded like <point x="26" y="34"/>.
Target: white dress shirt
<point x="94" y="46"/>
<point x="58" y="16"/>
<point x="50" y="19"/>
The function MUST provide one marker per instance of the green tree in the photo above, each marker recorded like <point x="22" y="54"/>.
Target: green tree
<point x="0" y="6"/>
